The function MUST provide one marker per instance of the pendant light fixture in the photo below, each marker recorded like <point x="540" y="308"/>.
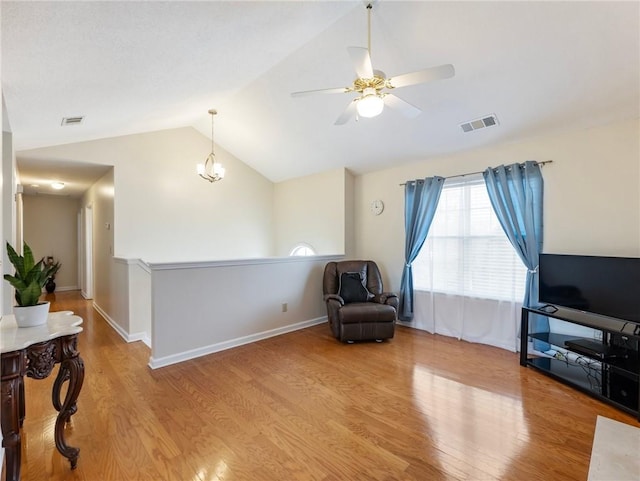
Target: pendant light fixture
<point x="211" y="170"/>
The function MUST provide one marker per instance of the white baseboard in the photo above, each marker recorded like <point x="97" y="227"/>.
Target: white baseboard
<point x="139" y="336"/>
<point x="62" y="289"/>
<point x="67" y="288"/>
<point x="155" y="363"/>
<point x="203" y="351"/>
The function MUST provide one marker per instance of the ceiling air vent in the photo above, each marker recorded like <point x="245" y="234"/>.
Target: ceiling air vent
<point x="72" y="120"/>
<point x="479" y="123"/>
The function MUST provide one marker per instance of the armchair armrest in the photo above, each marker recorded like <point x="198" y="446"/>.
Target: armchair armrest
<point x="385" y="297"/>
<point x="391" y="299"/>
<point x="334" y="297"/>
<point x="334" y="304"/>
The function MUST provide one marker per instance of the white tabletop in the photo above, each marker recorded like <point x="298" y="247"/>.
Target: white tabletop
<point x="14" y="338"/>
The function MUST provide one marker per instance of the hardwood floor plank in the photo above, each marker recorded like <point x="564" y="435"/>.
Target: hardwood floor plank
<point x="303" y="406"/>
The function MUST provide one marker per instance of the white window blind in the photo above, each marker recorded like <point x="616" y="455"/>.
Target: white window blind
<point x="466" y="251"/>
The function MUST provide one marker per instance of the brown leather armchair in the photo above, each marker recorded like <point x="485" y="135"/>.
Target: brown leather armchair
<point x="357" y="307"/>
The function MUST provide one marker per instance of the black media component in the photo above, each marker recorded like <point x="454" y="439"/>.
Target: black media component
<point x="609" y="286"/>
<point x="621" y="388"/>
<point x="589" y="347"/>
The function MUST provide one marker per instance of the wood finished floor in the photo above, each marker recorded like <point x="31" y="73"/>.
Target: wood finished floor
<point x="303" y="406"/>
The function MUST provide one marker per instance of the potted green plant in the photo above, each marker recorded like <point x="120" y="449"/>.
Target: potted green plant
<point x="28" y="281"/>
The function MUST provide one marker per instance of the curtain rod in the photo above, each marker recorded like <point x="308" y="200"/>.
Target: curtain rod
<point x="481" y="172"/>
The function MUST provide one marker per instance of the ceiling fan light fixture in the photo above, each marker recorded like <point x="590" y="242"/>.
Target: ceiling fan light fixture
<point x="374" y="86"/>
<point x="370" y="104"/>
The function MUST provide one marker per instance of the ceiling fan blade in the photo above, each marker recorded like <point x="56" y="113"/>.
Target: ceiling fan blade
<point x="426" y="75"/>
<point x="408" y="110"/>
<point x="348" y="113"/>
<point x="361" y="61"/>
<point x="339" y="90"/>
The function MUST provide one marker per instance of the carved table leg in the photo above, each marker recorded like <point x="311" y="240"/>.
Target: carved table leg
<point x="21" y="407"/>
<point x="71" y="370"/>
<point x="63" y="375"/>
<point x="12" y="373"/>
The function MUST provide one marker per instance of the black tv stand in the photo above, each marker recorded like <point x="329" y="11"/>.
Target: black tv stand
<point x="606" y="366"/>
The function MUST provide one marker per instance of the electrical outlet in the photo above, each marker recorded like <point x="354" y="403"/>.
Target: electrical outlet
<point x="284" y="307"/>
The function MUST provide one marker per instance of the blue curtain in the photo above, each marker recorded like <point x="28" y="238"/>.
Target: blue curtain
<point x="420" y="202"/>
<point x="515" y="192"/>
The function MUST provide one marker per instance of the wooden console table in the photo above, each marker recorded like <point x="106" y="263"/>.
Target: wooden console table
<point x="34" y="351"/>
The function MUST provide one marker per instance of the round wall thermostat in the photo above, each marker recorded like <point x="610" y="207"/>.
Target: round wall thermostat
<point x="377" y="206"/>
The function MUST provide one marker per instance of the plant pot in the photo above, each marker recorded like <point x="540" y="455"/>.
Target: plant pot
<point x="50" y="286"/>
<point x="31" y="316"/>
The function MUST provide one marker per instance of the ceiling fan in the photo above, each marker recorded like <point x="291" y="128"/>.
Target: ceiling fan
<point x="372" y="85"/>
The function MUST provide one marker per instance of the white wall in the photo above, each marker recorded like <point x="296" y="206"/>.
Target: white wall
<point x="349" y="218"/>
<point x="592" y="193"/>
<point x="113" y="301"/>
<point x="8" y="210"/>
<point x="311" y="210"/>
<point x="4" y="291"/>
<point x="200" y="308"/>
<point x="140" y="321"/>
<point x="51" y="229"/>
<point x="163" y="211"/>
<point x="127" y="309"/>
<point x="598" y="211"/>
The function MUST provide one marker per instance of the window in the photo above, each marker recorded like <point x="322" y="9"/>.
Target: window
<point x="302" y="250"/>
<point x="466" y="251"/>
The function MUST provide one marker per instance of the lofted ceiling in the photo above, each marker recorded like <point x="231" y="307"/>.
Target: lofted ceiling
<point x="130" y="67"/>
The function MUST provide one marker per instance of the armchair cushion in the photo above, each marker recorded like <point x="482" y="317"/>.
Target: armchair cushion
<point x="352" y="288"/>
<point x="370" y="312"/>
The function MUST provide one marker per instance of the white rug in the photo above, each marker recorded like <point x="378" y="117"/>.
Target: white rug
<point x="615" y="455"/>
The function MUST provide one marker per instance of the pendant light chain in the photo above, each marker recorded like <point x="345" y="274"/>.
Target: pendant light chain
<point x="369" y="7"/>
<point x="213" y="113"/>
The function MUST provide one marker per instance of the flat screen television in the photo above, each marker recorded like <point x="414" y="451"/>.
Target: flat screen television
<point x="609" y="286"/>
